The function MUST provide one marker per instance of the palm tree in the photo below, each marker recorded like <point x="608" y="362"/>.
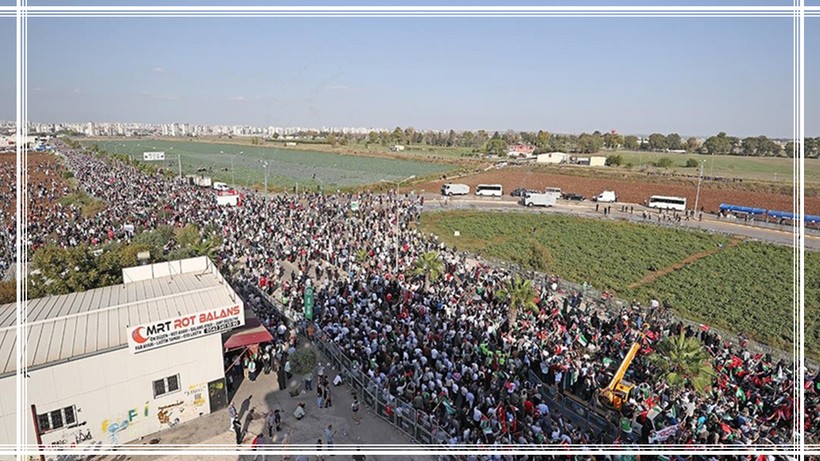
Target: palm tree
<point x="683" y="361"/>
<point x="519" y="294"/>
<point x="206" y="247"/>
<point x="430" y="266"/>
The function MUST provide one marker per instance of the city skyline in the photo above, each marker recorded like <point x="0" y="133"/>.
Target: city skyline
<point x="702" y="76"/>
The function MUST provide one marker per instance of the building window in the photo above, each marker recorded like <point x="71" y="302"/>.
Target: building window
<point x="166" y="386"/>
<point x="57" y="419"/>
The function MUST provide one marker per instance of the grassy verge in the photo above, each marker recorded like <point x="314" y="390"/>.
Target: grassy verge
<point x="744" y="288"/>
<point x="87" y="203"/>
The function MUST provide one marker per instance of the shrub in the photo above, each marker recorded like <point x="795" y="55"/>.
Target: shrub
<point x="614" y="160"/>
<point x="664" y="162"/>
<point x="303" y="360"/>
<point x="691" y="163"/>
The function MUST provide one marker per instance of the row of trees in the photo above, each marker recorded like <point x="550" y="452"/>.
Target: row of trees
<point x="482" y="141"/>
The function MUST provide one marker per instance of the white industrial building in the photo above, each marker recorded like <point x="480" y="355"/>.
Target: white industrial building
<point x="111" y="365"/>
<point x="552" y="157"/>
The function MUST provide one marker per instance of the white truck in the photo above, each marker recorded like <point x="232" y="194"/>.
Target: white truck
<point x="538" y="200"/>
<point x="221" y="186"/>
<point x="455" y="189"/>
<point x="607" y="196"/>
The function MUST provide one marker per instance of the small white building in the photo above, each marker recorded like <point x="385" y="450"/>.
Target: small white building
<point x="597" y="161"/>
<point x="552" y="157"/>
<point x="397" y="148"/>
<point x="110" y="365"/>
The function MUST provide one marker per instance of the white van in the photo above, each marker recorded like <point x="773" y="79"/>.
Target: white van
<point x="607" y="196"/>
<point x="538" y="200"/>
<point x="221" y="186"/>
<point x="455" y="189"/>
<point x="489" y="190"/>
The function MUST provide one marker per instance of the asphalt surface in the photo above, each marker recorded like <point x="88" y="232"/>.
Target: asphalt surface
<point x="766" y="232"/>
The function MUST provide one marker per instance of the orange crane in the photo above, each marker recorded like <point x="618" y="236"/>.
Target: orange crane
<point x="614" y="395"/>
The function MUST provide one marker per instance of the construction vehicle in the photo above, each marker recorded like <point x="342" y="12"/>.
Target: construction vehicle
<point x="617" y="393"/>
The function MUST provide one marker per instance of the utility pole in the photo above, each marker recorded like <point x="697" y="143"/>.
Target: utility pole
<point x="397" y="215"/>
<point x="700" y="178"/>
<point x="179" y="163"/>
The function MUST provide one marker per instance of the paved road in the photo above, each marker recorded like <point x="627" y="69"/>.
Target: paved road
<point x="771" y="233"/>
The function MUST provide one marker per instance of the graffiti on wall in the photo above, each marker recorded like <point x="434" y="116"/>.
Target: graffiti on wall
<point x="165" y="414"/>
<point x="193" y="404"/>
<point x="114" y="426"/>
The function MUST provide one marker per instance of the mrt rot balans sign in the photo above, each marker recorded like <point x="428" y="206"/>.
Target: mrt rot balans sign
<point x="157" y="334"/>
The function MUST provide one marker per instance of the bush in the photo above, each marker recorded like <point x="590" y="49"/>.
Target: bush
<point x="67" y="175"/>
<point x="691" y="163"/>
<point x="664" y="162"/>
<point x="614" y="160"/>
<point x="303" y="361"/>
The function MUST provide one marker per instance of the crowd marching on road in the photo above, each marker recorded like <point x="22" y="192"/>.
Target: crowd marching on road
<point x="447" y="344"/>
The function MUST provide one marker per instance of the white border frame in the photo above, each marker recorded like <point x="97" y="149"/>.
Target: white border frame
<point x="798" y="11"/>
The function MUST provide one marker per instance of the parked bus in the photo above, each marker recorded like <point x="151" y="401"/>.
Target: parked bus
<point x="489" y="190"/>
<point x="663" y="202"/>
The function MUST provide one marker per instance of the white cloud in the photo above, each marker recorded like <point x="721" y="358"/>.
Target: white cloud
<point x="237" y="98"/>
<point x="338" y="88"/>
<point x="76" y="91"/>
<point x="159" y="70"/>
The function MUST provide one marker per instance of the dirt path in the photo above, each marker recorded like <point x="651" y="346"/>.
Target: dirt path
<point x="649" y="278"/>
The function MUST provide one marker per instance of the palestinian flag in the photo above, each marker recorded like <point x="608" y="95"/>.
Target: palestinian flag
<point x="486" y="425"/>
<point x="582" y="340"/>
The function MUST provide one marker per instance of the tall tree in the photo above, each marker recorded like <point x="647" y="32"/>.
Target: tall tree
<point x="674" y="142"/>
<point x="519" y="295"/>
<point x="683" y="363"/>
<point x="657" y="141"/>
<point x="429" y="266"/>
<point x="631" y="142"/>
<point x="718" y="145"/>
<point x="692" y="145"/>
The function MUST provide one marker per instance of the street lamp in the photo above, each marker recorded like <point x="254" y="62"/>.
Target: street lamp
<point x="265" y="166"/>
<point x="233" y="174"/>
<point x="397" y="183"/>
<point x="700" y="177"/>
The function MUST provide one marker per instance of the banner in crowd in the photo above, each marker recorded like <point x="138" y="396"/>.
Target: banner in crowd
<point x="150" y="156"/>
<point x="309" y="303"/>
<point x="158" y="334"/>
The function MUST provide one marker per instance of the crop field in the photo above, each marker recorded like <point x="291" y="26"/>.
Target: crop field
<point x="288" y="168"/>
<point x="741" y="287"/>
<point x="778" y="169"/>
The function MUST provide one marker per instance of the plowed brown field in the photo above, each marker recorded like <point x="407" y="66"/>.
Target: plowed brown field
<point x="38" y="164"/>
<point x="628" y="191"/>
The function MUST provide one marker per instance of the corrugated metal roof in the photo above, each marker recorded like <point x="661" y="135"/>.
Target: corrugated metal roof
<point x="76" y="324"/>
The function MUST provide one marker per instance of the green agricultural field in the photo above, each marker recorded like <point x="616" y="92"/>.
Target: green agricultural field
<point x="747" y="288"/>
<point x="760" y="168"/>
<point x="737" y="286"/>
<point x="287" y="167"/>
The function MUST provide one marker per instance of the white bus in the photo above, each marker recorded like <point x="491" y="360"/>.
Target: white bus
<point x="489" y="190"/>
<point x="663" y="202"/>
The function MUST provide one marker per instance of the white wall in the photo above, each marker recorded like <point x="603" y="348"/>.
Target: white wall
<point x="165" y="269"/>
<point x="597" y="161"/>
<point x="113" y="392"/>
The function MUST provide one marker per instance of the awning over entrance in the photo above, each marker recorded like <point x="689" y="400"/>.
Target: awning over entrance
<point x="252" y="334"/>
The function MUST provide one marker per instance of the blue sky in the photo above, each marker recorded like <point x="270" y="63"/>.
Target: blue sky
<point x="691" y="76"/>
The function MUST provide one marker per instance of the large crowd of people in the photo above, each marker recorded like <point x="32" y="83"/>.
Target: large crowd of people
<point x="447" y="345"/>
